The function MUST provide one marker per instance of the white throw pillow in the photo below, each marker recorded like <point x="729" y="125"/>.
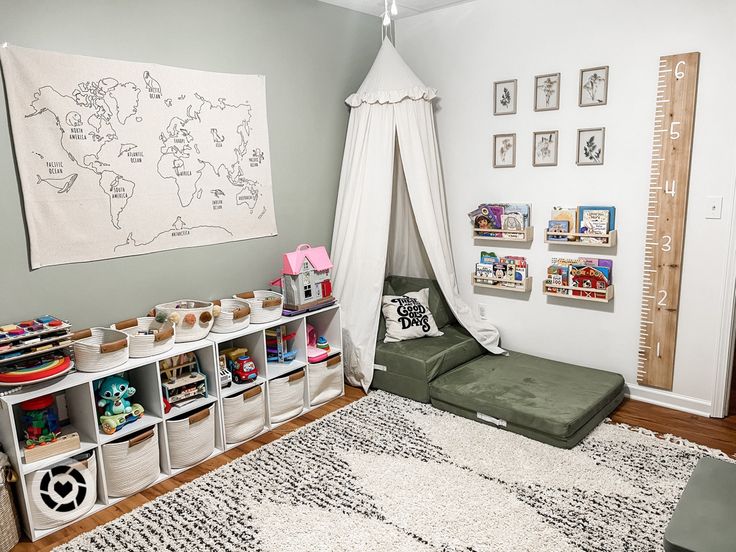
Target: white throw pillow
<point x="408" y="317"/>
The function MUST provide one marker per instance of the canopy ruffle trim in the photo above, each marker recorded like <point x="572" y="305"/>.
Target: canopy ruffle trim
<point x="391" y="96"/>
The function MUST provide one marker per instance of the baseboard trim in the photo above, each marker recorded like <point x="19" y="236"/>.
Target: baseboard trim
<point x="668" y="399"/>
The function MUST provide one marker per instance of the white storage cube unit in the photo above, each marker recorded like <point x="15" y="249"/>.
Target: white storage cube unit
<point x="63" y="492"/>
<point x="191" y="438"/>
<point x="244" y="414"/>
<point x="325" y="380"/>
<point x="60" y="490"/>
<point x="286" y="397"/>
<point x="132" y="464"/>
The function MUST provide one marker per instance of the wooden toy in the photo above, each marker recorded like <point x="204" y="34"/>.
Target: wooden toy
<point x="182" y="378"/>
<point x="306" y="277"/>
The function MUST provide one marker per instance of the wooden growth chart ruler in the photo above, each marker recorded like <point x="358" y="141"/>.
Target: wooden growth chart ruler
<point x="674" y="122"/>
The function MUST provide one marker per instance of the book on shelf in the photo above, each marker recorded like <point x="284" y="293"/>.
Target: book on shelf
<point x="568" y="214"/>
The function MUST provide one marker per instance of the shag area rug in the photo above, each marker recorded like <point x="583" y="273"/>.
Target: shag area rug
<point x="389" y="474"/>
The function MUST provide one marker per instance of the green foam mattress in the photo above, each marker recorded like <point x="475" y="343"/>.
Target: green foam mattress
<point x="553" y="402"/>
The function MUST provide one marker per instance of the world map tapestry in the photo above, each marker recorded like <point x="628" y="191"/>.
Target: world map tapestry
<point x="119" y="158"/>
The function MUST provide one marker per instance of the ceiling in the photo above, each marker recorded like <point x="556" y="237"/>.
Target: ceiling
<point x="406" y="7"/>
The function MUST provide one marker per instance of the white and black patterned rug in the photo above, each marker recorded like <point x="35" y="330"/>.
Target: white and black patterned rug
<point x="389" y="474"/>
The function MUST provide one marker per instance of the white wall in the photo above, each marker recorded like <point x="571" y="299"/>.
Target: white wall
<point x="461" y="50"/>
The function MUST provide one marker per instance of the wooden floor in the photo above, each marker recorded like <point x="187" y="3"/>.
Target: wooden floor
<point x="706" y="431"/>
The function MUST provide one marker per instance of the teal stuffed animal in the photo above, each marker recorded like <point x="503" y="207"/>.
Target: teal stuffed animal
<point x="114" y="392"/>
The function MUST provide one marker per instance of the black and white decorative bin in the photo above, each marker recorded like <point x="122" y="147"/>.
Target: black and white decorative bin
<point x="191" y="437"/>
<point x="286" y="396"/>
<point x="245" y="415"/>
<point x="132" y="464"/>
<point x="64" y="492"/>
<point x="325" y="380"/>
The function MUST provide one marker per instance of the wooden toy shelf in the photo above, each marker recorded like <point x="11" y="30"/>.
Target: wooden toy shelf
<point x="524" y="236"/>
<point x="594" y="295"/>
<point x="144" y="375"/>
<point x="610" y="239"/>
<point x="523" y="286"/>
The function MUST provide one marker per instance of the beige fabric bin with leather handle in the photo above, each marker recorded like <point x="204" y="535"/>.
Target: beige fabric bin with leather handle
<point x="131" y="465"/>
<point x="286" y="396"/>
<point x="234" y="315"/>
<point x="265" y="306"/>
<point x="325" y="380"/>
<point x="99" y="349"/>
<point x="191" y="437"/>
<point x="150" y="344"/>
<point x="245" y="415"/>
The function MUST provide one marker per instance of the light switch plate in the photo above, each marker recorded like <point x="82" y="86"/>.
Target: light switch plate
<point x="713" y="207"/>
<point x="483" y="311"/>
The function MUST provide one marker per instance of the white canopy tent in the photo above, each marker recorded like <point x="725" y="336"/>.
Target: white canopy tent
<point x="373" y="235"/>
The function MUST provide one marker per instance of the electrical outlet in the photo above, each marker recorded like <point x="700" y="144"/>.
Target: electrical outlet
<point x="483" y="311"/>
<point x="713" y="207"/>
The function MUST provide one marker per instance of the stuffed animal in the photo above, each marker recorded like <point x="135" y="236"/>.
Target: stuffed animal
<point x="113" y="392"/>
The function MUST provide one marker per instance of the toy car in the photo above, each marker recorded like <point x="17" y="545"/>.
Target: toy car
<point x="111" y="424"/>
<point x="244" y="370"/>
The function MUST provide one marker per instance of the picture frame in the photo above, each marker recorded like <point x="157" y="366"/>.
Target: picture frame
<point x="504" y="97"/>
<point x="547" y="92"/>
<point x="545" y="148"/>
<point x="593" y="87"/>
<point x="591" y="146"/>
<point x="504" y="151"/>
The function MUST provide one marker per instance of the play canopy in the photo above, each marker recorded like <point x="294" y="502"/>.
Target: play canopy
<point x="391" y="209"/>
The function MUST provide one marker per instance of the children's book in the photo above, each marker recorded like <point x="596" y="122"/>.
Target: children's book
<point x="512" y="221"/>
<point x="523" y="209"/>
<point x="569" y="214"/>
<point x="609" y="208"/>
<point x="557" y="227"/>
<point x="594" y="222"/>
<point x="488" y="257"/>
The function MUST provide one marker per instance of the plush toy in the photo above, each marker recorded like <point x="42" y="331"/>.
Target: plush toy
<point x="114" y="392"/>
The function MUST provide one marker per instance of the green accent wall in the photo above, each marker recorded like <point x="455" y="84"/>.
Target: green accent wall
<point x="313" y="56"/>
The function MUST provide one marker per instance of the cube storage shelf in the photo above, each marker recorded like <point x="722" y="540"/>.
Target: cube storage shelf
<point x="314" y="385"/>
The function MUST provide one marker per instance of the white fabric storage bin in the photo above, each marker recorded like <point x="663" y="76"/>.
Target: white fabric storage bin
<point x="245" y="415"/>
<point x="286" y="396"/>
<point x="265" y="306"/>
<point x="148" y="345"/>
<point x="131" y="465"/>
<point x="191" y="438"/>
<point x="64" y="492"/>
<point x="193" y="320"/>
<point x="99" y="349"/>
<point x="234" y="315"/>
<point x="325" y="380"/>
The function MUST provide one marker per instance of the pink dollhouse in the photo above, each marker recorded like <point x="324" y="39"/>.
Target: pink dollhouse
<point x="306" y="277"/>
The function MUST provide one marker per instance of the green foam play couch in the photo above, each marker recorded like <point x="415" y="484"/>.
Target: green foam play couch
<point x="553" y="402"/>
<point x="406" y="368"/>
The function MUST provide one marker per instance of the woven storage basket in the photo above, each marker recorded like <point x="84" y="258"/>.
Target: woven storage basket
<point x="62" y="493"/>
<point x="148" y="345"/>
<point x="191" y="438"/>
<point x="286" y="396"/>
<point x="234" y="315"/>
<point x="131" y="465"/>
<point x="245" y="415"/>
<point x="9" y="531"/>
<point x="203" y="318"/>
<point x="265" y="306"/>
<point x="325" y="380"/>
<point x="99" y="349"/>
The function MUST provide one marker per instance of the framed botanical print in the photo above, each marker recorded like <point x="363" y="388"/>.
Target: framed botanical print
<point x="504" y="97"/>
<point x="591" y="146"/>
<point x="547" y="92"/>
<point x="593" y="86"/>
<point x="545" y="148"/>
<point x="504" y="151"/>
